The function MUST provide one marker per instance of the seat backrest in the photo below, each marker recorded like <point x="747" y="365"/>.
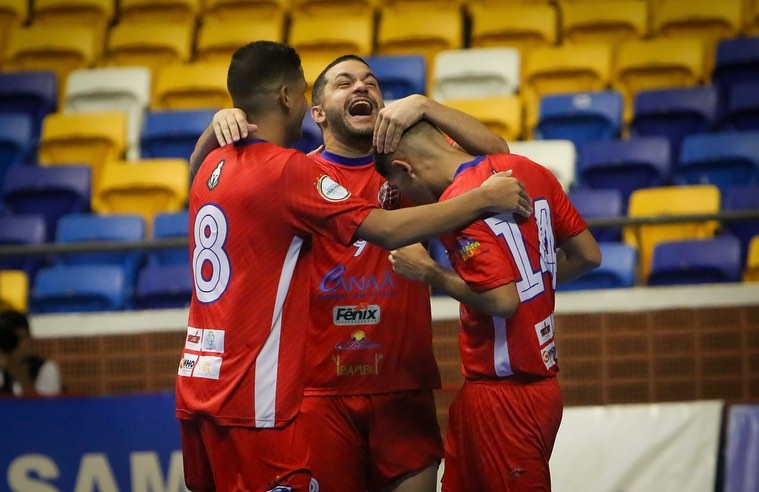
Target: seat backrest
<point x="164" y="286"/>
<point x="194" y="86"/>
<point x="164" y="11"/>
<point x="617" y="269"/>
<point x="737" y="61"/>
<point x="580" y="117"/>
<point x="725" y="159"/>
<point x="20" y="230"/>
<point x="743" y="106"/>
<point x="696" y="261"/>
<point x="347" y="34"/>
<point x="14" y="290"/>
<point x="703" y="19"/>
<point x="329" y="8"/>
<point x="671" y="200"/>
<point x="501" y="114"/>
<point x="400" y="75"/>
<point x="520" y="26"/>
<point x="476" y="72"/>
<point x="79" y="288"/>
<point x="594" y="204"/>
<point x="32" y="93"/>
<point x="171" y="225"/>
<point x="744" y="197"/>
<point x="173" y="133"/>
<point x="94" y="14"/>
<point x="751" y="272"/>
<point x="245" y="10"/>
<point x="559" y="156"/>
<point x="604" y="22"/>
<point x="218" y="40"/>
<point x="51" y="192"/>
<point x="15" y="140"/>
<point x="149" y="45"/>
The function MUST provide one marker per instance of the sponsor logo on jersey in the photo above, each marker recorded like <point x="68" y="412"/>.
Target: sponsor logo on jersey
<point x="281" y="488"/>
<point x="207" y="367"/>
<point x="549" y="355"/>
<point x="361" y="314"/>
<point x="187" y="364"/>
<point x="215" y="175"/>
<point x="335" y="280"/>
<point x="358" y="369"/>
<point x="544" y="330"/>
<point x="194" y="336"/>
<point x="468" y="247"/>
<point x="331" y="190"/>
<point x="388" y="197"/>
<point x="213" y="341"/>
<point x="358" y="341"/>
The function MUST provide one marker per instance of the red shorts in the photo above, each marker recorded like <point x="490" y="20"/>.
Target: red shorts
<point x="366" y="442"/>
<point x="221" y="458"/>
<point x="500" y="436"/>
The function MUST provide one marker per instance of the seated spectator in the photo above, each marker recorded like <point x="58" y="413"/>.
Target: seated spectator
<point x="22" y="372"/>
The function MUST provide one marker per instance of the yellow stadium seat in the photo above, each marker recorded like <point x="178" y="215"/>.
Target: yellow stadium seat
<point x="568" y="68"/>
<point x="657" y="64"/>
<point x="13" y="13"/>
<point x="76" y="138"/>
<point x="218" y="40"/>
<point x="58" y="49"/>
<point x="312" y="67"/>
<point x="604" y="22"/>
<point x="751" y="273"/>
<point x="670" y="201"/>
<point x="752" y="17"/>
<point x="346" y="33"/>
<point x="150" y="45"/>
<point x="163" y="11"/>
<point x="96" y="14"/>
<point x="707" y="20"/>
<point x="419" y="4"/>
<point x="523" y="27"/>
<point x="328" y="8"/>
<point x="420" y="32"/>
<point x="192" y="86"/>
<point x="146" y="187"/>
<point x="14" y="290"/>
<point x="245" y="10"/>
<point x="502" y="114"/>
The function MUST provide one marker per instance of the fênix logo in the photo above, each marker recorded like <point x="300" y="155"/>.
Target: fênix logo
<point x="361" y="314"/>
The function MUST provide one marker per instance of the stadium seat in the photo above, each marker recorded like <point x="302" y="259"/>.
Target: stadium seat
<point x="559" y="156"/>
<point x="501" y="114"/>
<point x="195" y="86"/>
<point x="737" y="61"/>
<point x="94" y="14"/>
<point x="751" y="272"/>
<point x="311" y="135"/>
<point x="475" y="72"/>
<point x="164" y="287"/>
<point x="329" y="8"/>
<point x="145" y="187"/>
<point x="90" y="138"/>
<point x="625" y="165"/>
<point x="515" y="25"/>
<point x="657" y="64"/>
<point x="173" y="133"/>
<point x="743" y="106"/>
<point x="164" y="11"/>
<point x="399" y="76"/>
<point x="670" y="201"/>
<point x="31" y="93"/>
<point x="80" y="288"/>
<point x="218" y="40"/>
<point x="57" y="49"/>
<point x="151" y="45"/>
<point x="22" y="230"/>
<point x="723" y="159"/>
<point x="745" y="197"/>
<point x="675" y="113"/>
<point x="346" y="34"/>
<point x="599" y="204"/>
<point x="700" y="261"/>
<point x="15" y="140"/>
<point x="14" y="290"/>
<point x="617" y="270"/>
<point x="610" y="23"/>
<point x="580" y="117"/>
<point x="48" y="191"/>
<point x="400" y="32"/>
<point x="96" y="228"/>
<point x="171" y="225"/>
<point x="245" y="10"/>
<point x="13" y="13"/>
<point x="111" y="89"/>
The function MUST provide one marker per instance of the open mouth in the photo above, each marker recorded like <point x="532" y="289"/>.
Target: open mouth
<point x="360" y="107"/>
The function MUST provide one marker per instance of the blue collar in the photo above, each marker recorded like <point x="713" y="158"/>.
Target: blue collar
<point x="248" y="141"/>
<point x="469" y="164"/>
<point x="347" y="161"/>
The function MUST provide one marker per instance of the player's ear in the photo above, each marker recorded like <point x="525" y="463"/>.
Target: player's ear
<point x="403" y="166"/>
<point x="317" y="113"/>
<point x="285" y="96"/>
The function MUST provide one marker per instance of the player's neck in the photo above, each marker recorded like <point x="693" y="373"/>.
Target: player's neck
<point x="357" y="147"/>
<point x="273" y="130"/>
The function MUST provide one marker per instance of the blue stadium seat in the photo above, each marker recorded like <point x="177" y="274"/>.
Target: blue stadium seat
<point x="311" y="135"/>
<point x="168" y="225"/>
<point x="593" y="204"/>
<point x="743" y="106"/>
<point x="741" y="436"/>
<point x="164" y="286"/>
<point x="722" y="159"/>
<point x="582" y="117"/>
<point x="625" y="165"/>
<point x="617" y="270"/>
<point x="743" y="198"/>
<point x="674" y="113"/>
<point x="15" y="141"/>
<point x="172" y="133"/>
<point x="399" y="75"/>
<point x="698" y="261"/>
<point x="80" y="288"/>
<point x="92" y="228"/>
<point x="31" y="93"/>
<point x="22" y="230"/>
<point x="49" y="191"/>
<point x="737" y="61"/>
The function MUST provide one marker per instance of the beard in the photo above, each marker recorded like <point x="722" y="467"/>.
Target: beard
<point x="341" y="127"/>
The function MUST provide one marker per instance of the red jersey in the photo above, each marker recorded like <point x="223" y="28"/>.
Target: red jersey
<point x="371" y="329"/>
<point x="253" y="208"/>
<point x="503" y="249"/>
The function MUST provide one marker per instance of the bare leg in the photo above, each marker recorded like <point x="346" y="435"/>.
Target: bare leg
<point x="423" y="480"/>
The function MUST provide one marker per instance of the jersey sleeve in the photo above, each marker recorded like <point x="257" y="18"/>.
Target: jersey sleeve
<point x="567" y="221"/>
<point x="478" y="257"/>
<point x="316" y="203"/>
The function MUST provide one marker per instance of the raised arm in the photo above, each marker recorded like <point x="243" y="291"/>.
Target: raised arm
<point x="227" y="126"/>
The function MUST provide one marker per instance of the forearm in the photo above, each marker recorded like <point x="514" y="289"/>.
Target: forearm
<point x="440" y="278"/>
<point x="468" y="132"/>
<point x="576" y="257"/>
<point x="206" y="144"/>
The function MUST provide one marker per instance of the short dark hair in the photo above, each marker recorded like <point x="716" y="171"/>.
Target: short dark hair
<point x="258" y="67"/>
<point x="321" y="82"/>
<point x="411" y="140"/>
<point x="10" y="321"/>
